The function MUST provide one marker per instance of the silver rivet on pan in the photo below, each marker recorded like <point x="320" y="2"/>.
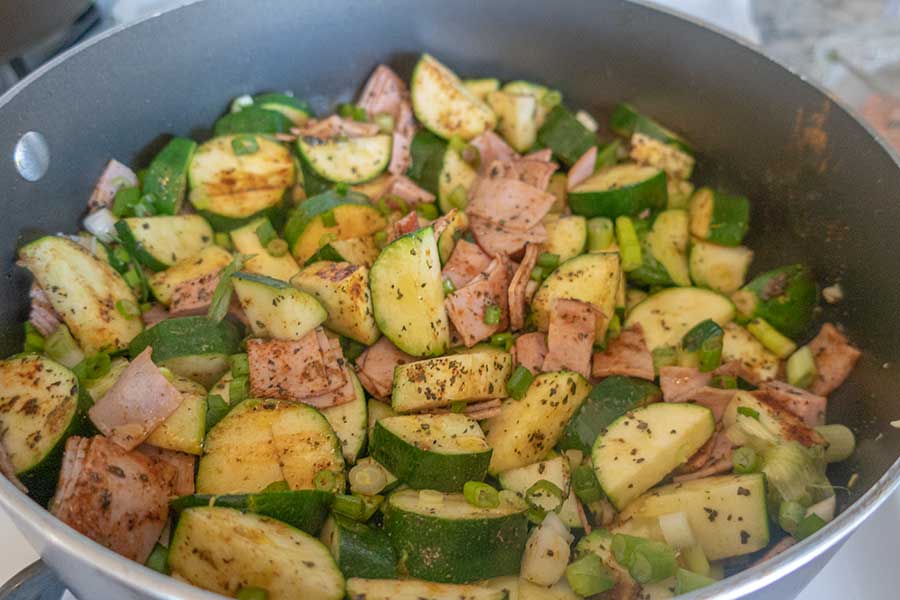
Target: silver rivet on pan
<point x="32" y="156"/>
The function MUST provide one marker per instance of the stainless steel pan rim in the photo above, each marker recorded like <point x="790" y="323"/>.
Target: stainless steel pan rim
<point x="60" y="537"/>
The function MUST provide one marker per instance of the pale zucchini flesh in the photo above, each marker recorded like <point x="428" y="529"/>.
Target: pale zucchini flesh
<point x="557" y="471"/>
<point x="217" y="170"/>
<point x="415" y="589"/>
<point x="719" y="268"/>
<point x="440" y="381"/>
<point x="246" y="241"/>
<point x="277" y="310"/>
<point x="739" y="344"/>
<point x="185" y="429"/>
<point x="667" y="315"/>
<point x="350" y="422"/>
<point x="351" y="160"/>
<point x="211" y="259"/>
<point x="171" y="239"/>
<point x="444" y="104"/>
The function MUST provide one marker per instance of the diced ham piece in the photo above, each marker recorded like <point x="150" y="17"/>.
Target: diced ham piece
<point x="737" y="368"/>
<point x="42" y="314"/>
<point x="406" y="224"/>
<point x="467" y="306"/>
<point x="376" y="366"/>
<point x="533" y="172"/>
<point x="466" y="262"/>
<point x="156" y="314"/>
<point x="479" y="411"/>
<point x="8" y="470"/>
<point x="570" y="336"/>
<point x="117" y="498"/>
<point x="194" y="296"/>
<point x="835" y="358"/>
<point x="582" y="169"/>
<point x="442" y="222"/>
<point x="531" y="350"/>
<point x="518" y="287"/>
<point x="496" y="239"/>
<point x="625" y="355"/>
<point x="806" y="405"/>
<point x="137" y="403"/>
<point x="402" y="137"/>
<point x="791" y="426"/>
<point x="714" y="458"/>
<point x="335" y="126"/>
<point x="309" y="370"/>
<point x="492" y="148"/>
<point x="543" y="155"/>
<point x="183" y="465"/>
<point x="510" y="203"/>
<point x="678" y="383"/>
<point x="406" y="189"/>
<point x="383" y="93"/>
<point x="115" y="176"/>
<point x="342" y="395"/>
<point x="715" y="399"/>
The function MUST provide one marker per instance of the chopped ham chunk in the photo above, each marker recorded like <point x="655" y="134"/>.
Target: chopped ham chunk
<point x="518" y="287"/>
<point x="467" y="261"/>
<point x="342" y="395"/>
<point x="114" y="177"/>
<point x="835" y="358"/>
<point x="737" y="368"/>
<point x="534" y="172"/>
<point x="678" y="383"/>
<point x="531" y="350"/>
<point x="406" y="189"/>
<point x="510" y="203"/>
<point x="42" y="314"/>
<point x="304" y="370"/>
<point x="406" y="224"/>
<point x="383" y="93"/>
<point x="492" y="148"/>
<point x="570" y="336"/>
<point x="117" y="498"/>
<point x="582" y="169"/>
<point x="467" y="306"/>
<point x="376" y="367"/>
<point x="8" y="470"/>
<point x="156" y="314"/>
<point x="806" y="405"/>
<point x="543" y="155"/>
<point x="790" y="425"/>
<point x="402" y="137"/>
<point x="625" y="355"/>
<point x="714" y="458"/>
<point x="335" y="126"/>
<point x="138" y="402"/>
<point x="714" y="399"/>
<point x="442" y="222"/>
<point x="496" y="239"/>
<point x="183" y="465"/>
<point x="194" y="296"/>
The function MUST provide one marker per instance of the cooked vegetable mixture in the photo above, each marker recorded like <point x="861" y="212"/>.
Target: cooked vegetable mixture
<point x="447" y="343"/>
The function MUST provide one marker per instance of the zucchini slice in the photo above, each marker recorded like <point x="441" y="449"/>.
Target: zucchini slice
<point x="408" y="295"/>
<point x="590" y="278"/>
<point x="449" y="540"/>
<point x="84" y="290"/>
<point x="719" y="268"/>
<point x="356" y="251"/>
<point x="166" y="176"/>
<point x="377" y="411"/>
<point x="438" y="168"/>
<point x="360" y="550"/>
<point x="220" y="549"/>
<point x="482" y="87"/>
<point x="547" y="99"/>
<point x="667" y="315"/>
<point x="298" y="111"/>
<point x="246" y="241"/>
<point x="565" y="135"/>
<point x="413" y="589"/>
<point x="457" y="223"/>
<point x="444" y="104"/>
<point x="727" y="514"/>
<point x="171" y="239"/>
<point x="193" y="347"/>
<point x="252" y="119"/>
<point x="343" y="290"/>
<point x="785" y="297"/>
<point x="626" y="120"/>
<point x="718" y="217"/>
<point x="347" y="160"/>
<point x="217" y="169"/>
<point x="184" y="429"/>
<point x="554" y="469"/>
<point x="350" y="422"/>
<point x="455" y="173"/>
<point x="566" y="236"/>
<point x="639" y="449"/>
<point x="211" y="259"/>
<point x="354" y="217"/>
<point x="668" y="240"/>
<point x="437" y="382"/>
<point x="41" y="404"/>
<point x="526" y="429"/>
<point x="608" y="400"/>
<point x="621" y="190"/>
<point x="516" y="118"/>
<point x="275" y="308"/>
<point x="306" y="510"/>
<point x="230" y="211"/>
<point x="440" y="452"/>
<point x="261" y="442"/>
<point x="740" y="344"/>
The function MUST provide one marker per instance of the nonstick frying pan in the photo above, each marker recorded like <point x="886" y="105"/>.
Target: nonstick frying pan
<point x="824" y="190"/>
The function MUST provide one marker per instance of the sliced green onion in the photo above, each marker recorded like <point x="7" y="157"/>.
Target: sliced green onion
<point x="629" y="244"/>
<point x="341" y="188"/>
<point x="244" y="144"/>
<point x="790" y="514"/>
<point x="326" y="480"/>
<point x="623" y="548"/>
<point x="537" y="274"/>
<point x="458" y="406"/>
<point x="456" y="144"/>
<point x="492" y="315"/>
<point x="62" y="347"/>
<point x="223" y="240"/>
<point x="664" y="356"/>
<point x="385" y="122"/>
<point x="704" y="341"/>
<point x="841" y="442"/>
<point x="399" y="203"/>
<point x="127" y="308"/>
<point x="328" y="219"/>
<point x="688" y="581"/>
<point x="653" y="561"/>
<point x="608" y="155"/>
<point x="745" y="460"/>
<point x="277" y="247"/>
<point x="427" y="211"/>
<point x="548" y="260"/>
<point x="512" y="499"/>
<point x="266" y="233"/>
<point x="502" y="340"/>
<point x="125" y="200"/>
<point x="724" y="382"/>
<point x="34" y="341"/>
<point x="352" y="111"/>
<point x="808" y="526"/>
<point x="93" y="367"/>
<point x="240" y="366"/>
<point x="380" y="238"/>
<point x="159" y="559"/>
<point x="221" y="297"/>
<point x="146" y="307"/>
<point x="237" y="390"/>
<point x="481" y="495"/>
<point x="370" y="505"/>
<point x="585" y="484"/>
<point x="216" y="409"/>
<point x="551" y="98"/>
<point x="519" y="382"/>
<point x="601" y="234"/>
<point x="588" y="576"/>
<point x="367" y="479"/>
<point x="252" y="593"/>
<point x="545" y="495"/>
<point x="458" y="198"/>
<point x="350" y="506"/>
<point x="748" y="412"/>
<point x="771" y="338"/>
<point x="449" y="287"/>
<point x="382" y="205"/>
<point x="277" y="486"/>
<point x="801" y="368"/>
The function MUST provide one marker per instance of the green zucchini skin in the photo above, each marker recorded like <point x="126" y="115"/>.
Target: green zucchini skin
<point x="424" y="469"/>
<point x="166" y="177"/>
<point x="626" y="120"/>
<point x="455" y="550"/>
<point x="609" y="400"/>
<point x="275" y="213"/>
<point x="252" y="119"/>
<point x="427" y="160"/>
<point x="326" y="252"/>
<point x="315" y="206"/>
<point x="137" y="249"/>
<point x="628" y="200"/>
<point x="313" y="183"/>
<point x="306" y="510"/>
<point x="298" y="111"/>
<point x="565" y="135"/>
<point x="785" y="297"/>
<point x="651" y="271"/>
<point x="360" y="550"/>
<point x="719" y="217"/>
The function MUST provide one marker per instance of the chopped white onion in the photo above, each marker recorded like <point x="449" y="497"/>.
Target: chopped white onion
<point x="101" y="224"/>
<point x="677" y="530"/>
<point x="546" y="552"/>
<point x="555" y="524"/>
<point x="824" y="509"/>
<point x="587" y="120"/>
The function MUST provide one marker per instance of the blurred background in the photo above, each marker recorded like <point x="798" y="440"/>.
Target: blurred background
<point x="851" y="47"/>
